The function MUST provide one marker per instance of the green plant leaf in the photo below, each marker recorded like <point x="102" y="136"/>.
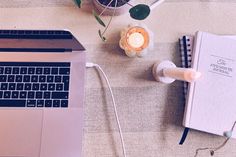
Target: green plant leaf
<point x="140" y="11"/>
<point x="102" y="37"/>
<point x="78" y="2"/>
<point x="99" y="20"/>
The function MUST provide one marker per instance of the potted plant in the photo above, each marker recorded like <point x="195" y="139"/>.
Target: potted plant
<point x="116" y="7"/>
<point x="108" y="6"/>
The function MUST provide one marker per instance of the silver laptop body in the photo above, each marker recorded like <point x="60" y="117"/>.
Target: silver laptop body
<point x="41" y="125"/>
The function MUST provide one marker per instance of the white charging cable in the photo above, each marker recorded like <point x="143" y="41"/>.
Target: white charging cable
<point x="90" y="65"/>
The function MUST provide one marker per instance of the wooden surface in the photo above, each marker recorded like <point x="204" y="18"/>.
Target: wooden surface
<point x="151" y="113"/>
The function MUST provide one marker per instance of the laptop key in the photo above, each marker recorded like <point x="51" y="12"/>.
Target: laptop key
<point x="15" y="94"/>
<point x="39" y="70"/>
<point x="30" y="95"/>
<point x="49" y="78"/>
<point x="46" y="70"/>
<point x="64" y="71"/>
<point x="54" y="71"/>
<point x="31" y="70"/>
<point x="42" y="78"/>
<point x="19" y="86"/>
<point x="48" y="103"/>
<point x="51" y="86"/>
<point x="64" y="103"/>
<point x="3" y="78"/>
<point x="12" y="103"/>
<point x="7" y="94"/>
<point x="23" y="70"/>
<point x="39" y="95"/>
<point x="27" y="86"/>
<point x="35" y="86"/>
<point x="66" y="87"/>
<point x="23" y="94"/>
<point x="26" y="78"/>
<point x="60" y="95"/>
<point x="40" y="103"/>
<point x="12" y="86"/>
<point x="16" y="70"/>
<point x="46" y="95"/>
<point x="56" y="103"/>
<point x="66" y="80"/>
<point x="7" y="70"/>
<point x="4" y="86"/>
<point x="31" y="103"/>
<point x="10" y="78"/>
<point x="59" y="87"/>
<point x="34" y="78"/>
<point x="43" y="86"/>
<point x="19" y="78"/>
<point x="58" y="79"/>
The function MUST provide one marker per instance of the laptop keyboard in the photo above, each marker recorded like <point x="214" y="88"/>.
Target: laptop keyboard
<point x="34" y="84"/>
<point x="35" y="34"/>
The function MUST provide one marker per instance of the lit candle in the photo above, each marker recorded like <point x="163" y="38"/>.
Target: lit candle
<point x="136" y="40"/>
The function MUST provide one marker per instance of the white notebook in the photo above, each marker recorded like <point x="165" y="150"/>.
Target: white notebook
<point x="211" y="101"/>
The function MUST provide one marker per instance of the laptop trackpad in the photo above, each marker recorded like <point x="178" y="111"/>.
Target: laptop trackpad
<point x="20" y="132"/>
<point x="62" y="133"/>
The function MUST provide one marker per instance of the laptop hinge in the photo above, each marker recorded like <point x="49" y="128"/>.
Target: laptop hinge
<point x="33" y="50"/>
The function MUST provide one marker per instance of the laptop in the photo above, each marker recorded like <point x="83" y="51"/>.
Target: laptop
<point x="41" y="93"/>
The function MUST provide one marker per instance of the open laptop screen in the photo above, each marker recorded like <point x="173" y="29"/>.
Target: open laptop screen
<point x="38" y="41"/>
